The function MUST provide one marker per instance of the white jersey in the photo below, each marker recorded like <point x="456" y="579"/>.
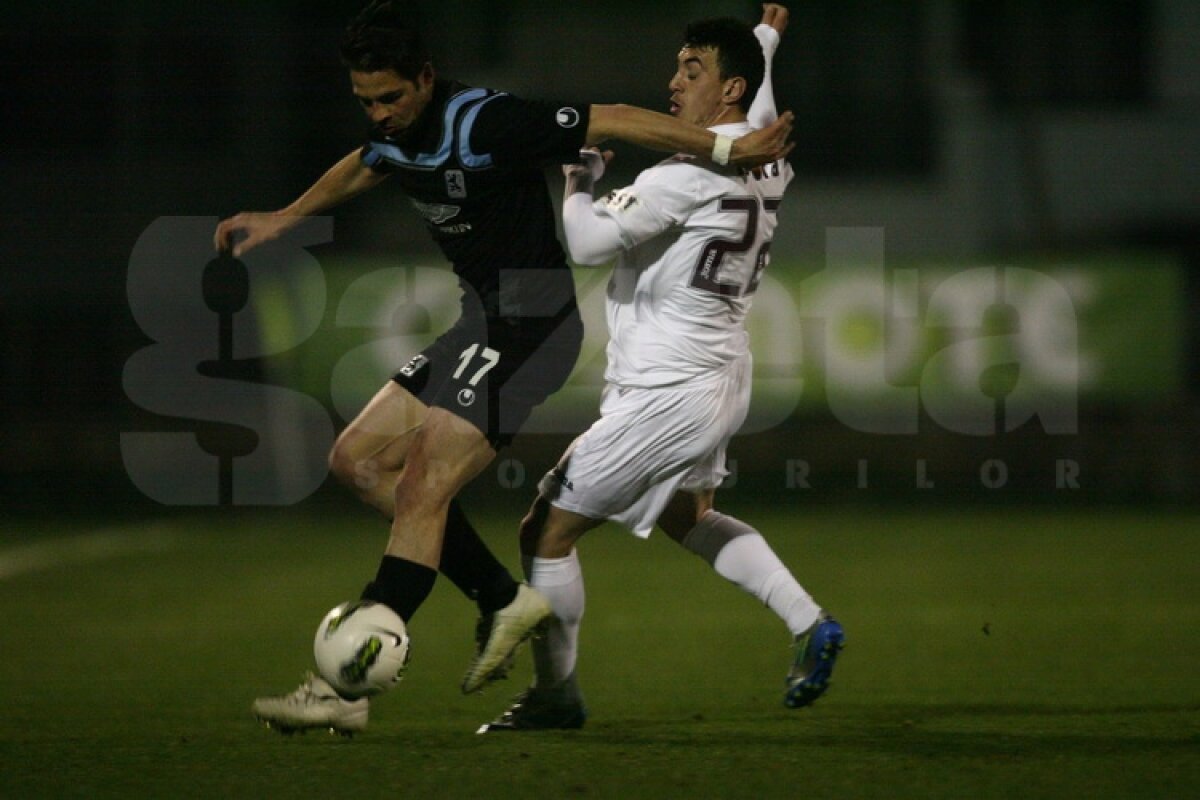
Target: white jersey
<point x="695" y="239"/>
<point x="692" y="240"/>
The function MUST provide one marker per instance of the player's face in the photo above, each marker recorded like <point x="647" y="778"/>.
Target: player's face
<point x="393" y="104"/>
<point x="696" y="88"/>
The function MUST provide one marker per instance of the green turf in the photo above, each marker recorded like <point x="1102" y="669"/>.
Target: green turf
<point x="991" y="653"/>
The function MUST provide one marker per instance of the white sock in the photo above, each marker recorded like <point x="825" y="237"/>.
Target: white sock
<point x="741" y="555"/>
<point x="561" y="581"/>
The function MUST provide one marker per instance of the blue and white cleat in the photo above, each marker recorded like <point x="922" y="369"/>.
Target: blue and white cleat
<point x="816" y="652"/>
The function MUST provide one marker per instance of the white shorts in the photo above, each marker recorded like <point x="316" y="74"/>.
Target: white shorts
<point x="649" y="444"/>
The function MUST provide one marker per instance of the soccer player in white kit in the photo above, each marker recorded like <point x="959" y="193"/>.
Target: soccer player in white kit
<point x="691" y="240"/>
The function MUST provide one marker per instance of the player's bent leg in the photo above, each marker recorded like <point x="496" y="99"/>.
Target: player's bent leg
<point x="740" y="554"/>
<point x="313" y="705"/>
<point x="501" y="634"/>
<point x="554" y="700"/>
<point x="556" y="572"/>
<point x="368" y="455"/>
<point x="446" y="454"/>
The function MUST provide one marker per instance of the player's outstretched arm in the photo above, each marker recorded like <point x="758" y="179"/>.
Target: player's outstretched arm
<point x="343" y="180"/>
<point x="663" y="132"/>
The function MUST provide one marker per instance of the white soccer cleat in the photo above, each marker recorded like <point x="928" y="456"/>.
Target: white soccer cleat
<point x="314" y="704"/>
<point x="505" y="630"/>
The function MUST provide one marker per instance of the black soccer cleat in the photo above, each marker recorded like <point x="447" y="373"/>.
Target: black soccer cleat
<point x="535" y="710"/>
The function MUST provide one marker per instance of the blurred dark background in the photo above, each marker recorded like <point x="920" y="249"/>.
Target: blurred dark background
<point x="969" y="131"/>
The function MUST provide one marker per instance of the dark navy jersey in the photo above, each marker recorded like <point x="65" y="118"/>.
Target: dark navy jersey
<point x="472" y="166"/>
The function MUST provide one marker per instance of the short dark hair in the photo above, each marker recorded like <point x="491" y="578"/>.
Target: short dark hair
<point x="384" y="36"/>
<point x="739" y="55"/>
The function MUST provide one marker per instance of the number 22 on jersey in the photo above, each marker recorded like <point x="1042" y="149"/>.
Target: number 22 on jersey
<point x="717" y="252"/>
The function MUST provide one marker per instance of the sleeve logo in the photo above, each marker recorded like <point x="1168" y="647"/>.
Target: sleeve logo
<point x="621" y="199"/>
<point x="567" y="117"/>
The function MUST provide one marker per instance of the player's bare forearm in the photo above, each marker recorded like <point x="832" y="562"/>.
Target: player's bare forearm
<point x="345" y="179"/>
<point x="663" y="132"/>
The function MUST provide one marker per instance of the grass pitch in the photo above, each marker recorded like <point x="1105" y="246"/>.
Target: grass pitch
<point x="990" y="653"/>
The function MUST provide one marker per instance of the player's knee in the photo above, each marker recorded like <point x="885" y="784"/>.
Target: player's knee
<point x="341" y="461"/>
<point x="683" y="513"/>
<point x="362" y="475"/>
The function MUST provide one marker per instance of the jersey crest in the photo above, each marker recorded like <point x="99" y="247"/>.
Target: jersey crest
<point x="456" y="183"/>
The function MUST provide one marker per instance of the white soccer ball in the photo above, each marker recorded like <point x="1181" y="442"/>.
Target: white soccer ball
<point x="361" y="648"/>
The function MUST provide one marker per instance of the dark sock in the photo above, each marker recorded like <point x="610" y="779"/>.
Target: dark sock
<point x="468" y="562"/>
<point x="401" y="585"/>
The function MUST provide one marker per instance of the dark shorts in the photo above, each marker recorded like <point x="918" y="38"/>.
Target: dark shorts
<point x="494" y="372"/>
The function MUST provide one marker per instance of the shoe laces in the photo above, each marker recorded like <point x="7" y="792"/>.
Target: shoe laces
<point x="306" y="690"/>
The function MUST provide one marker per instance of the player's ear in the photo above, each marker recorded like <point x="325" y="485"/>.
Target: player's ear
<point x="734" y="89"/>
<point x="426" y="75"/>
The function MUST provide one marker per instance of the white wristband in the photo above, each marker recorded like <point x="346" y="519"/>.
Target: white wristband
<point x="722" y="148"/>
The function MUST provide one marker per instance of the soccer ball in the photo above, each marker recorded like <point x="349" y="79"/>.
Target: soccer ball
<point x="361" y="648"/>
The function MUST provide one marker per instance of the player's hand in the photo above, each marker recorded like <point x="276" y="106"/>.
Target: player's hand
<point x="248" y="230"/>
<point x="776" y="16"/>
<point x="766" y="145"/>
<point x="591" y="164"/>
